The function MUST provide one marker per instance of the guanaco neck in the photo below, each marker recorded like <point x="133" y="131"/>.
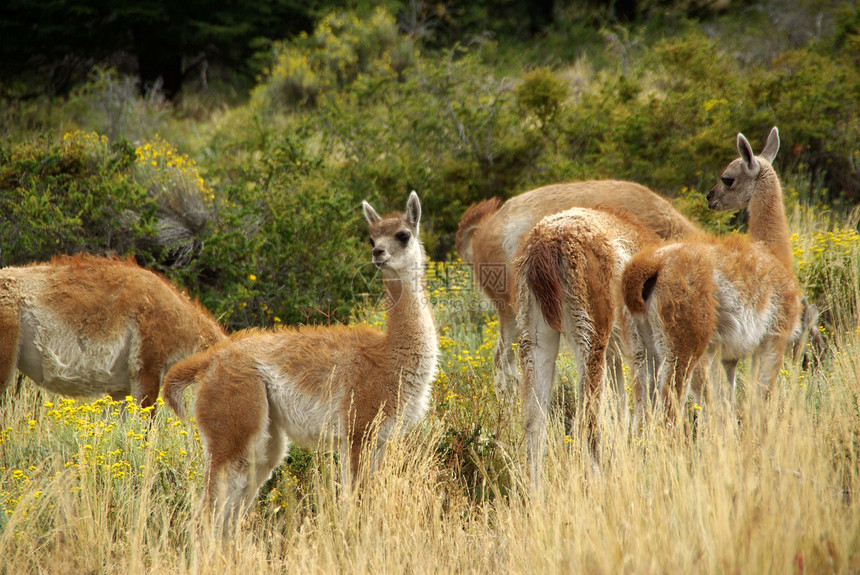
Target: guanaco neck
<point x="410" y="328"/>
<point x="767" y="222"/>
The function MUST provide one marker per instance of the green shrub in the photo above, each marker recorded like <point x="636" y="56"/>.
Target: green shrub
<point x="283" y="246"/>
<point x="541" y="94"/>
<point x="68" y="196"/>
<point x="445" y="125"/>
<point x="82" y="194"/>
<point x="675" y="115"/>
<point x="343" y="48"/>
<point x="814" y="97"/>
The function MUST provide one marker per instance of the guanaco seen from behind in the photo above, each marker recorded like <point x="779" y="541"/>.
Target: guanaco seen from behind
<point x="489" y="234"/>
<point x="569" y="270"/>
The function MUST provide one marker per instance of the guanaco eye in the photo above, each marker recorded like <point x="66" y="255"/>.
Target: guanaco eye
<point x="372" y="243"/>
<point x="403" y="237"/>
<point x="728" y="181"/>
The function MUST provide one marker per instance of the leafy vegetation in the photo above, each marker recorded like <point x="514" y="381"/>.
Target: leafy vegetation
<point x="356" y="109"/>
<point x="68" y="196"/>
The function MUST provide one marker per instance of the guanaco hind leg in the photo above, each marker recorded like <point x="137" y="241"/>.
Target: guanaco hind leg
<point x="232" y="487"/>
<point x="504" y="357"/>
<point x="538" y="349"/>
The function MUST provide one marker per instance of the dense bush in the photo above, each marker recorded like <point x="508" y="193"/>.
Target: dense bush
<point x="817" y="94"/>
<point x="284" y="245"/>
<point x="358" y="109"/>
<point x="68" y="196"/>
<point x="342" y="49"/>
<point x="449" y="124"/>
<point x="444" y="126"/>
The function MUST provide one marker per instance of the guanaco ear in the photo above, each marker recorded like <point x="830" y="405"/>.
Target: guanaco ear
<point x="370" y="213"/>
<point x="772" y="146"/>
<point x="413" y="211"/>
<point x="750" y="164"/>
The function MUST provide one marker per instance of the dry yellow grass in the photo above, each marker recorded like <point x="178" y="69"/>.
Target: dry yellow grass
<point x="86" y="488"/>
<point x="778" y="494"/>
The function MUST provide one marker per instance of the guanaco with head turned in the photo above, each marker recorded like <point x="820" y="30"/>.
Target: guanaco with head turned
<point x="85" y="325"/>
<point x="490" y="232"/>
<point x="736" y="294"/>
<point x="261" y="390"/>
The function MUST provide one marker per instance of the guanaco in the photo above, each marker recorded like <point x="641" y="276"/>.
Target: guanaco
<point x="85" y="325"/>
<point x="733" y="293"/>
<point x="261" y="390"/>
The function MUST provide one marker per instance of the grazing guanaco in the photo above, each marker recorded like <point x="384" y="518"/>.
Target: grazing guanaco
<point x="85" y="325"/>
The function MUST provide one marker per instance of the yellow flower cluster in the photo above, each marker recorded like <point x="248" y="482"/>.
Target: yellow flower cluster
<point x="161" y="165"/>
<point x="105" y="440"/>
<point x="833" y="245"/>
<point x="464" y="380"/>
<point x="283" y="495"/>
<point x="89" y="145"/>
<point x="86" y="140"/>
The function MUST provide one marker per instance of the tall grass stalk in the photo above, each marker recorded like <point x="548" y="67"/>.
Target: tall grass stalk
<point x="101" y="487"/>
<point x="778" y="493"/>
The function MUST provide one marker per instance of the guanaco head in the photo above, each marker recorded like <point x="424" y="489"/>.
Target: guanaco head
<point x="397" y="249"/>
<point x="738" y="180"/>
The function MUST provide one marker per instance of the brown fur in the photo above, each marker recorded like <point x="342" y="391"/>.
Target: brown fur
<point x="309" y="385"/>
<point x="568" y="277"/>
<point x="472" y="218"/>
<point x="694" y="307"/>
<point x="544" y="274"/>
<point x="82" y="308"/>
<point x="640" y="272"/>
<point x="488" y="240"/>
<point x="767" y="221"/>
<point x="489" y="236"/>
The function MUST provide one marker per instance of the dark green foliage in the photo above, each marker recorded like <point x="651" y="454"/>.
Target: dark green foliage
<point x="359" y="110"/>
<point x="541" y="94"/>
<point x="818" y="94"/>
<point x="61" y="40"/>
<point x="450" y="126"/>
<point x="284" y="246"/>
<point x="343" y="49"/>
